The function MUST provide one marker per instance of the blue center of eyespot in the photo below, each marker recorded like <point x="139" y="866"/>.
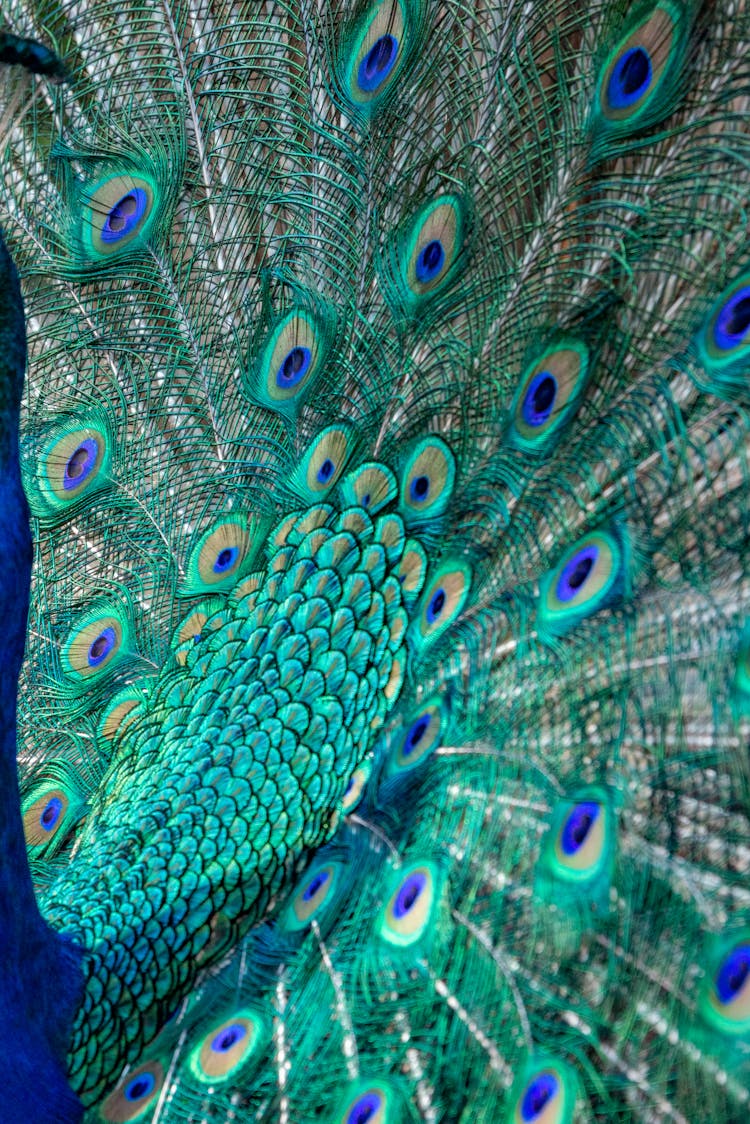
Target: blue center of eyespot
<point x="141" y="1086"/>
<point x="539" y="1092"/>
<point x="430" y="261"/>
<point x="733" y="320"/>
<point x="377" y="63"/>
<point x="436" y="605"/>
<point x="225" y="559"/>
<point x="415" y="734"/>
<point x="125" y="215"/>
<point x="539" y="399"/>
<point x="326" y="471"/>
<point x="364" y="1108"/>
<point x="419" y="489"/>
<point x="315" y="883"/>
<point x="733" y="974"/>
<point x="51" y="813"/>
<point x="80" y="463"/>
<point x="101" y="647"/>
<point x="409" y="893"/>
<point x="576" y="572"/>
<point x="294" y="366"/>
<point x="578" y="825"/>
<point x="630" y="78"/>
<point x="228" y="1037"/>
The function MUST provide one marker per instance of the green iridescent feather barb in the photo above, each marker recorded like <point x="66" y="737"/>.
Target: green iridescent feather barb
<point x="382" y="733"/>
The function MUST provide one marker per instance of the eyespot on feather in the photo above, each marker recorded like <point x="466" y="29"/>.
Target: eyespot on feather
<point x="412" y="571"/>
<point x="96" y="644"/>
<point x="323" y="463"/>
<point x="432" y="251"/>
<point x="418" y="738"/>
<point x="32" y="56"/>
<point x="410" y="910"/>
<point x="221" y="556"/>
<point x="725" y="993"/>
<point x="723" y="342"/>
<point x="591" y="575"/>
<point x="544" y="1094"/>
<point x="290" y="362"/>
<point x="371" y="486"/>
<point x="548" y="395"/>
<point x="442" y="600"/>
<point x="72" y="465"/>
<point x="369" y="1102"/>
<point x="427" y="480"/>
<point x="356" y="787"/>
<point x="580" y="843"/>
<point x="378" y="52"/>
<point x="135" y="1095"/>
<point x="191" y="628"/>
<point x="117" y="214"/>
<point x="315" y="893"/>
<point x="50" y="810"/>
<point x="228" y="1047"/>
<point x="639" y="84"/>
<point x="395" y="681"/>
<point x="119" y="712"/>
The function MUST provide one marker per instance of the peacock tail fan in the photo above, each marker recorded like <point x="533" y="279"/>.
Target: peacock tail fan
<point x="383" y="728"/>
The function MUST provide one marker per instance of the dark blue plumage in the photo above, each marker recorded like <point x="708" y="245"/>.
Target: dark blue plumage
<point x="40" y="977"/>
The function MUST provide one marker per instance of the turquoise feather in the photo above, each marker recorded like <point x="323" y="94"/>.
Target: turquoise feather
<point x="386" y="438"/>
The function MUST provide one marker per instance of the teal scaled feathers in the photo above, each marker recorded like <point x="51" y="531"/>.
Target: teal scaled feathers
<point x="383" y="728"/>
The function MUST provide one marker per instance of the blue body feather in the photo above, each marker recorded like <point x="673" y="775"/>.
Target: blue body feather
<point x="40" y="978"/>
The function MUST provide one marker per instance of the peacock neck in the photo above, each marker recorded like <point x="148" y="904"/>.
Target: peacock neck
<point x="35" y="1017"/>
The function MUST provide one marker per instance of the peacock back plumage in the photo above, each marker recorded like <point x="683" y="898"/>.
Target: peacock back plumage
<point x="383" y="729"/>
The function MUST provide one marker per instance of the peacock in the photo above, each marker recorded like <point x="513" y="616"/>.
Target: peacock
<point x="375" y="561"/>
